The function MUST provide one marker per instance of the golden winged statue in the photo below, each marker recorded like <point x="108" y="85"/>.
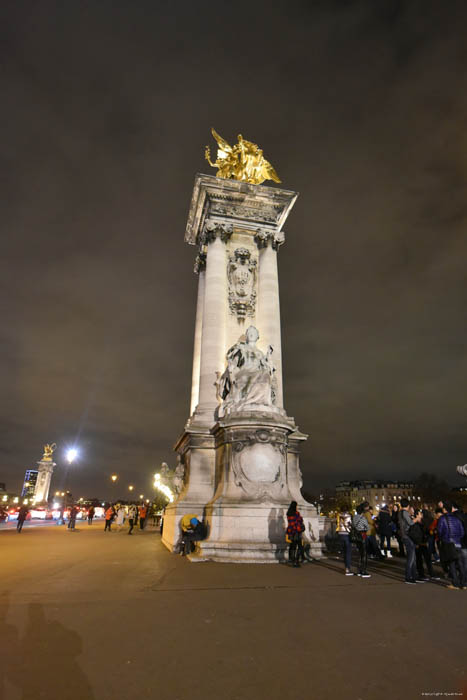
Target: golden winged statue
<point x="244" y="161"/>
<point x="48" y="451"/>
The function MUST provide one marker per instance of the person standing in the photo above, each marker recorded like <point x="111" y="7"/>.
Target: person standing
<point x="22" y="515"/>
<point x="419" y="536"/>
<point x="109" y="515"/>
<point x="142" y="516"/>
<point x="91" y="512"/>
<point x="396" y="531"/>
<point x="451" y="533"/>
<point x="344" y="523"/>
<point x="360" y="524"/>
<point x="385" y="530"/>
<point x="132" y="512"/>
<point x="72" y="520"/>
<point x="405" y="523"/>
<point x="295" y="527"/>
<point x="371" y="541"/>
<point x="120" y="516"/>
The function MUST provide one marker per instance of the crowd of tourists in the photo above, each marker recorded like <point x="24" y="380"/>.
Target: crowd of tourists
<point x="120" y="514"/>
<point x="423" y="537"/>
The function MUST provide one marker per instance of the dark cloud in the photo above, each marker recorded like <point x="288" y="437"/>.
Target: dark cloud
<point x="107" y="107"/>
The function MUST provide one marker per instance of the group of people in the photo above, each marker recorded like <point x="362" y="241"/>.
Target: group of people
<point x="423" y="537"/>
<point x="120" y="513"/>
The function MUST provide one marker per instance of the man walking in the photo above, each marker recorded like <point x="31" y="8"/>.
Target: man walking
<point x="22" y="515"/>
<point x="91" y="512"/>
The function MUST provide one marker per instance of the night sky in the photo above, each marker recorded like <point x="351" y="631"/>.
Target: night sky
<point x="106" y="109"/>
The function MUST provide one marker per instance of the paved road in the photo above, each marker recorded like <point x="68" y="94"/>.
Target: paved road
<point x="95" y="616"/>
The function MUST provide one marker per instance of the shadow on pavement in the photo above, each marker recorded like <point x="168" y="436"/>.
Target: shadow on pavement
<point x="43" y="661"/>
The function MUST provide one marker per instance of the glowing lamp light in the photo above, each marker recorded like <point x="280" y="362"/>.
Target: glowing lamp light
<point x="114" y="478"/>
<point x="130" y="488"/>
<point x="141" y="495"/>
<point x="71" y="455"/>
<point x="163" y="488"/>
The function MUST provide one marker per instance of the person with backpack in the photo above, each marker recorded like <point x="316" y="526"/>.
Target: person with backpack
<point x="295" y="527"/>
<point x="343" y="528"/>
<point x="359" y="534"/>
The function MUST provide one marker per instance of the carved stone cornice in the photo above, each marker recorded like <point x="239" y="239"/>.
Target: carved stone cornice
<point x="244" y="205"/>
<point x="264" y="236"/>
<point x="200" y="263"/>
<point x="213" y="230"/>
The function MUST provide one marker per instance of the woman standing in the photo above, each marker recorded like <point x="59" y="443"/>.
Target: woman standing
<point x="295" y="527"/>
<point x="344" y="523"/>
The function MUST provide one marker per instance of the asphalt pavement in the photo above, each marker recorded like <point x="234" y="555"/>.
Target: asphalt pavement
<point x="95" y="615"/>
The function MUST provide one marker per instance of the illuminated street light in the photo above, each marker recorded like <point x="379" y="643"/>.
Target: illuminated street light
<point x="114" y="478"/>
<point x="71" y="455"/>
<point x="141" y="496"/>
<point x="130" y="488"/>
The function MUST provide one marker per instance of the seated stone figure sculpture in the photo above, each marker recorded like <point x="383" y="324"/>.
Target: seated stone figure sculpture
<point x="249" y="376"/>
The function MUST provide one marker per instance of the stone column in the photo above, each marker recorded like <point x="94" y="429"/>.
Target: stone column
<point x="200" y="268"/>
<point x="44" y="477"/>
<point x="268" y="316"/>
<point x="212" y="358"/>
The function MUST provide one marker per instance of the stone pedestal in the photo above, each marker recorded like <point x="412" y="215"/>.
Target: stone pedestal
<point x="44" y="477"/>
<point x="241" y="457"/>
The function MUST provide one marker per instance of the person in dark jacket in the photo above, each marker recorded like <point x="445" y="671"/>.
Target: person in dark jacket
<point x="72" y="521"/>
<point x="195" y="533"/>
<point x="361" y="526"/>
<point x="451" y="530"/>
<point x="22" y="515"/>
<point x="295" y="527"/>
<point x="396" y="531"/>
<point x="385" y="530"/>
<point x="460" y="515"/>
<point x="91" y="513"/>
<point x="405" y="522"/>
<point x="419" y="536"/>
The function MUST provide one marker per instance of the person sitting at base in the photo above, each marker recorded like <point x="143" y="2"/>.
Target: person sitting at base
<point x="193" y="530"/>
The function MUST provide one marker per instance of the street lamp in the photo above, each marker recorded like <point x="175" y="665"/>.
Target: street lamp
<point x="71" y="455"/>
<point x="114" y="478"/>
<point x="130" y="488"/>
<point x="141" y="496"/>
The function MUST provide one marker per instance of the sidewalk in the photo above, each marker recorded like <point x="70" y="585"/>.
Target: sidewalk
<point x="94" y="615"/>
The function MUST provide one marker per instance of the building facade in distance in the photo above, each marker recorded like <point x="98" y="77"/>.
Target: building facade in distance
<point x="377" y="492"/>
<point x="30" y="481"/>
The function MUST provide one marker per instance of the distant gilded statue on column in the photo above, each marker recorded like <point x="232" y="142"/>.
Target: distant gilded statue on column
<point x="244" y="161"/>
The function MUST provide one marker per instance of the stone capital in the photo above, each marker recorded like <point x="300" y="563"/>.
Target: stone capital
<point x="265" y="236"/>
<point x="213" y="230"/>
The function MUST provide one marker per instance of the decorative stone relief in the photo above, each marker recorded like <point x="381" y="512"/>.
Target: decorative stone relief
<point x="212" y="230"/>
<point x="258" y="462"/>
<point x="263" y="236"/>
<point x="200" y="263"/>
<point x="179" y="476"/>
<point x="249" y="376"/>
<point x="241" y="273"/>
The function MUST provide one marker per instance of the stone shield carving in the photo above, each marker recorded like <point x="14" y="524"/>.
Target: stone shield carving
<point x="241" y="273"/>
<point x="258" y="463"/>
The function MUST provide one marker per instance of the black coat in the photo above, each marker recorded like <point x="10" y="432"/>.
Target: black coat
<point x="385" y="523"/>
